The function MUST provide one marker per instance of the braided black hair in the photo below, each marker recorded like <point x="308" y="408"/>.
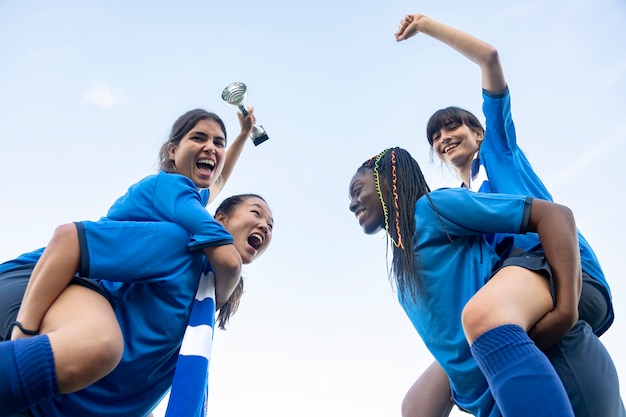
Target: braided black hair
<point x="401" y="183"/>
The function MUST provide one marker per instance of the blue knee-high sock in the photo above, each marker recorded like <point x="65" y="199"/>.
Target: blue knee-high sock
<point x="27" y="374"/>
<point x="521" y="379"/>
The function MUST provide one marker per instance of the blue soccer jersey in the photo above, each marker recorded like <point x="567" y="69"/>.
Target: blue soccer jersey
<point x="145" y="255"/>
<point x="168" y="197"/>
<point x="503" y="168"/>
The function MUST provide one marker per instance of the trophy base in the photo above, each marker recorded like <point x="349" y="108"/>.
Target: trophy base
<point x="259" y="140"/>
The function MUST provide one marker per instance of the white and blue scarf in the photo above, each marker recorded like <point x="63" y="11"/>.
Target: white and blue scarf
<point x="190" y="388"/>
<point x="479" y="181"/>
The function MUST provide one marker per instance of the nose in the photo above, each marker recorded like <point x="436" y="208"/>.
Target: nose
<point x="265" y="228"/>
<point x="209" y="147"/>
<point x="353" y="204"/>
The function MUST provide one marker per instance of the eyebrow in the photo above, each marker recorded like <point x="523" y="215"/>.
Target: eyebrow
<point x="204" y="135"/>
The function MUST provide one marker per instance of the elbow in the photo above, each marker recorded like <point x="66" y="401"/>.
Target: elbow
<point x="234" y="263"/>
<point x="491" y="57"/>
<point x="230" y="263"/>
<point x="568" y="215"/>
<point x="225" y="260"/>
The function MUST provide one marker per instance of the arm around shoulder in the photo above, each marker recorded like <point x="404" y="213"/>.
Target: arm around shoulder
<point x="556" y="227"/>
<point x="227" y="264"/>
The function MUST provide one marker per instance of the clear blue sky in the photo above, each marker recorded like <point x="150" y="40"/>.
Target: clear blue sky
<point x="89" y="90"/>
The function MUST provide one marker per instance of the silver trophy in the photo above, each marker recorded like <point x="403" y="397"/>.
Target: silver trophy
<point x="235" y="94"/>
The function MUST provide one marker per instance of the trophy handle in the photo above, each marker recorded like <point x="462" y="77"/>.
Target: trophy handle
<point x="243" y="109"/>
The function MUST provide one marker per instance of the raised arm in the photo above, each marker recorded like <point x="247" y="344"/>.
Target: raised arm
<point x="226" y="261"/>
<point x="476" y="50"/>
<point x="556" y="227"/>
<point x="233" y="152"/>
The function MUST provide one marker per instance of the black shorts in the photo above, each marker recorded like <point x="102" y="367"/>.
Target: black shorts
<point x="579" y="358"/>
<point x="592" y="307"/>
<point x="12" y="287"/>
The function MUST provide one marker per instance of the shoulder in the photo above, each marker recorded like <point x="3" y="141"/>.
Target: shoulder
<point x="172" y="180"/>
<point x="443" y="195"/>
<point x="489" y="95"/>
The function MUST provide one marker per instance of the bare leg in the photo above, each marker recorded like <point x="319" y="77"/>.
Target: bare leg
<point x="85" y="337"/>
<point x="84" y="334"/>
<point x="429" y="396"/>
<point x="514" y="295"/>
<point x="496" y="322"/>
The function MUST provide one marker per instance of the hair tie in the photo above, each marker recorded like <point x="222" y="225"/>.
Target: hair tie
<point x="23" y="330"/>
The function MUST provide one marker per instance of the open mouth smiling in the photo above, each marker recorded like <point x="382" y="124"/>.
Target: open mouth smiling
<point x="255" y="240"/>
<point x="360" y="214"/>
<point x="449" y="147"/>
<point x="206" y="164"/>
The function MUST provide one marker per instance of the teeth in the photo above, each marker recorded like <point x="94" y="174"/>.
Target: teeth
<point x="447" y="148"/>
<point x="360" y="214"/>
<point x="258" y="236"/>
<point x="207" y="162"/>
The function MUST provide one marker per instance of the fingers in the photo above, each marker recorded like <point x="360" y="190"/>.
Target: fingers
<point x="249" y="117"/>
<point x="402" y="33"/>
<point x="250" y="110"/>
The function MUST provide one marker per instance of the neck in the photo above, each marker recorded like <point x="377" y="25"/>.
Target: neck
<point x="465" y="171"/>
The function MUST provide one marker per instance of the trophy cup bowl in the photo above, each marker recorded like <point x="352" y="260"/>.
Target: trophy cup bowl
<point x="235" y="94"/>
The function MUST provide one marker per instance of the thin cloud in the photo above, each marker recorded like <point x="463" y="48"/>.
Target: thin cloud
<point x="588" y="158"/>
<point x="102" y="95"/>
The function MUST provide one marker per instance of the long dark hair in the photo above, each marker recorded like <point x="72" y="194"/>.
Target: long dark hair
<point x="400" y="182"/>
<point x="228" y="207"/>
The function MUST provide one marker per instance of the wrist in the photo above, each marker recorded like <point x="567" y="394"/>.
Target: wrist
<point x="25" y="330"/>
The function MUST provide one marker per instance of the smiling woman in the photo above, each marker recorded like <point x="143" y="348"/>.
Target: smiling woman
<point x="451" y="284"/>
<point x="154" y="235"/>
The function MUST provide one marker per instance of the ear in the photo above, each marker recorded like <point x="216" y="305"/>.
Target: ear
<point x="171" y="151"/>
<point x="480" y="135"/>
<point x="221" y="217"/>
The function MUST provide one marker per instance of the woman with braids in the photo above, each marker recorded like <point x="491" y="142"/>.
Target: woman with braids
<point x="147" y="261"/>
<point x="471" y="308"/>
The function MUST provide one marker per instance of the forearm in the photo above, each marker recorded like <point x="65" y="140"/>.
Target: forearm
<point x="233" y="153"/>
<point x="52" y="274"/>
<point x="559" y="239"/>
<point x="480" y="52"/>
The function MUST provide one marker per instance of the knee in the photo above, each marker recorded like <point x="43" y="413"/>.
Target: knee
<point x="65" y="232"/>
<point x="93" y="362"/>
<point x="108" y="351"/>
<point x="476" y="320"/>
<point x="111" y="350"/>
